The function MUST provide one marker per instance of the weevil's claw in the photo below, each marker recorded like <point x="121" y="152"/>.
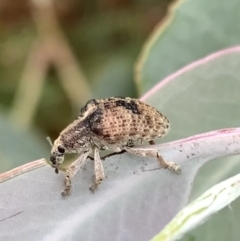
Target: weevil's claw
<point x="68" y="185"/>
<point x="56" y="168"/>
<point x="173" y="167"/>
<point x="93" y="188"/>
<point x="96" y="183"/>
<point x="66" y="192"/>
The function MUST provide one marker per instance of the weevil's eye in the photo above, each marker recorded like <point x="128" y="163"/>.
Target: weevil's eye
<point x="61" y="149"/>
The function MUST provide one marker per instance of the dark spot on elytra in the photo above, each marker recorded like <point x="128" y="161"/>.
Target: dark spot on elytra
<point x="134" y="107"/>
<point x="97" y="131"/>
<point x="121" y="103"/>
<point x="95" y="117"/>
<point x="106" y="135"/>
<point x="129" y="105"/>
<point x="94" y="121"/>
<point x="107" y="105"/>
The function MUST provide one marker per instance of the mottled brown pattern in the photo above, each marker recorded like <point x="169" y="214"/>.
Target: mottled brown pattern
<point x="125" y="118"/>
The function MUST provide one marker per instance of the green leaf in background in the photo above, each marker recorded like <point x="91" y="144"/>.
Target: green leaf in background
<point x="201" y="97"/>
<point x="192" y="30"/>
<point x="114" y="78"/>
<point x="18" y="147"/>
<point x="198" y="211"/>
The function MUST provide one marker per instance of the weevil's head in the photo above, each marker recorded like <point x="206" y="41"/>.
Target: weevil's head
<point x="57" y="153"/>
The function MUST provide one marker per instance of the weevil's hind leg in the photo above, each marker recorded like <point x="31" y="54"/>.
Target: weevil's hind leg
<point x="165" y="164"/>
<point x="99" y="171"/>
<point x="170" y="165"/>
<point x="71" y="171"/>
<point x="154" y="153"/>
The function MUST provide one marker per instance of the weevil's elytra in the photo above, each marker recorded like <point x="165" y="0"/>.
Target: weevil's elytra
<point x="119" y="120"/>
<point x="117" y="124"/>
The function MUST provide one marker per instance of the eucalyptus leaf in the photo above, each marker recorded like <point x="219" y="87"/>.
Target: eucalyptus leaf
<point x="198" y="211"/>
<point x="192" y="30"/>
<point x="131" y="204"/>
<point x="114" y="78"/>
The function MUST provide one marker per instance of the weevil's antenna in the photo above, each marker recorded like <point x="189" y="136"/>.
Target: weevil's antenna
<point x="49" y="140"/>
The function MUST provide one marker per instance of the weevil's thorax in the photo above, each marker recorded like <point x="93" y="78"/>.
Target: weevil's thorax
<point x="76" y="136"/>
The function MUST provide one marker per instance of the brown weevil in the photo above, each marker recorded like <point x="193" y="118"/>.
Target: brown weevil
<point x="115" y="124"/>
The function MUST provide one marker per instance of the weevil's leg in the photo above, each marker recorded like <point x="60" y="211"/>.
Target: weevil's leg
<point x="172" y="166"/>
<point x="152" y="142"/>
<point x="71" y="171"/>
<point x="154" y="153"/>
<point x="99" y="171"/>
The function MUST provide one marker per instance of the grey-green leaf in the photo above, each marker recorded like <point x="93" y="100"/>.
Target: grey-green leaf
<point x="193" y="30"/>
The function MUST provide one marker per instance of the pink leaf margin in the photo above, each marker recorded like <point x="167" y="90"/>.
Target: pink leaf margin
<point x="189" y="67"/>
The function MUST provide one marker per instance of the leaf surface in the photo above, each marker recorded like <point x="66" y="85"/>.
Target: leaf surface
<point x="131" y="204"/>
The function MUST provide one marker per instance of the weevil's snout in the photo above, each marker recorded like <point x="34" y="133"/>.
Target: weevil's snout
<point x="57" y="157"/>
<point x="56" y="161"/>
<point x="53" y="160"/>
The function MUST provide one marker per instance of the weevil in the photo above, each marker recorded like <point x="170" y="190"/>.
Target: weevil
<point x="115" y="124"/>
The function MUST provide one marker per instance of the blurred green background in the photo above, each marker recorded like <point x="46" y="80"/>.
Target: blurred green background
<point x="55" y="55"/>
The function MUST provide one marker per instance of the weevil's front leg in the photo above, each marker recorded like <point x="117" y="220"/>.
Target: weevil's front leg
<point x="154" y="153"/>
<point x="99" y="171"/>
<point x="71" y="171"/>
